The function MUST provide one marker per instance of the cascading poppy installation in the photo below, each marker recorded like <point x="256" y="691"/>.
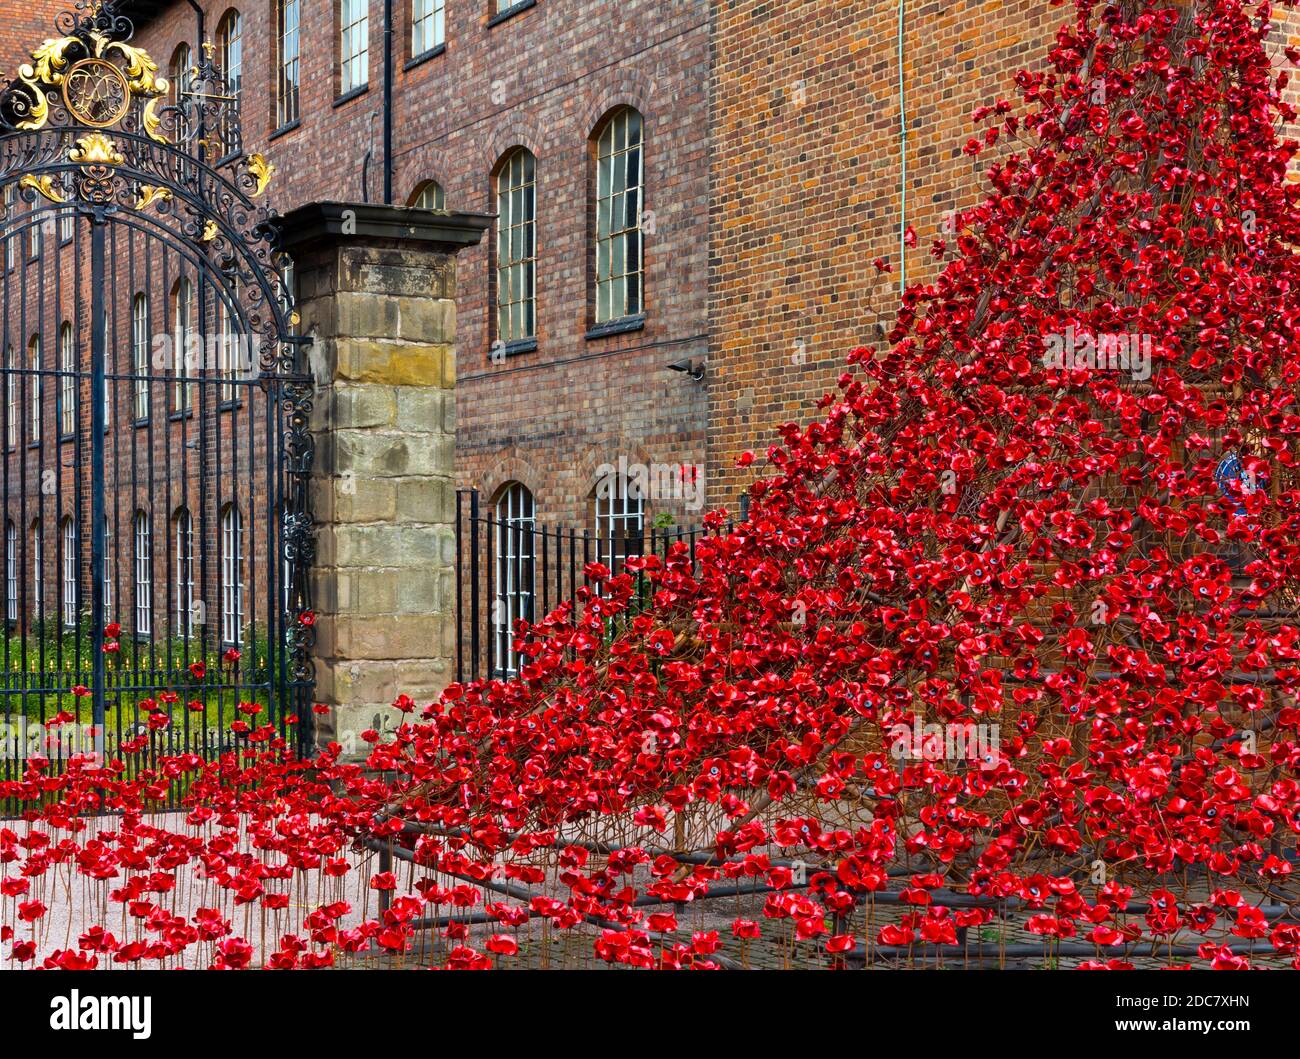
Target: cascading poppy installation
<point x="1088" y="572"/>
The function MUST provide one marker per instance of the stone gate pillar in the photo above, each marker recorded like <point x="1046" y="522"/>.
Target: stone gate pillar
<point x="376" y="289"/>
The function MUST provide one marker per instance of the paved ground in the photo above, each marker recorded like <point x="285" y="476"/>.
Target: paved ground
<point x="76" y="904"/>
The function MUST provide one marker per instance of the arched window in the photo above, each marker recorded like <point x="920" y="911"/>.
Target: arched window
<point x="516" y="246"/>
<point x="38" y="571"/>
<point x="67" y="382"/>
<point x="230" y="350"/>
<point x="286" y="82"/>
<point x="354" y="44"/>
<point x="618" y="217"/>
<point x="183" y="336"/>
<point x="11" y="571"/>
<point x="620" y="519"/>
<point x="184" y="529"/>
<point x="230" y="41"/>
<point x="11" y="398"/>
<point x="11" y="240"/>
<point x="69" y="544"/>
<point x="428" y="26"/>
<point x="34" y="359"/>
<point x="516" y="565"/>
<point x="140" y="354"/>
<point x="429" y="196"/>
<point x="181" y="75"/>
<point x="108" y="571"/>
<point x="34" y="236"/>
<point x="143" y="575"/>
<point x="232" y="585"/>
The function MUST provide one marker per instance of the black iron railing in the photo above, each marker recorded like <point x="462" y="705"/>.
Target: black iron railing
<point x="518" y="568"/>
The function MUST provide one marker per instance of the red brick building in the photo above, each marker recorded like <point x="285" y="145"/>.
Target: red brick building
<point x="809" y="186"/>
<point x="709" y="180"/>
<point x="502" y="110"/>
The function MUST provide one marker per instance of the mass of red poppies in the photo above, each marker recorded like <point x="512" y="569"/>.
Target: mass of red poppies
<point x="1009" y="635"/>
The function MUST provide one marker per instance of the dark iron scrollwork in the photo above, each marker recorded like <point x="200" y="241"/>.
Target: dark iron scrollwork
<point x="89" y="126"/>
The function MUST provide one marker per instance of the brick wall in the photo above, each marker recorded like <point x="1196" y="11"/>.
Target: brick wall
<point x="806" y="185"/>
<point x="542" y="79"/>
<point x="24" y="26"/>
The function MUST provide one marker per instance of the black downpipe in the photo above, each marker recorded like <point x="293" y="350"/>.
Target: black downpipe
<point x="388" y="102"/>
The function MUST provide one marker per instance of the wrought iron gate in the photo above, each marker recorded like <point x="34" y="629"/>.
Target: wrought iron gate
<point x="153" y="413"/>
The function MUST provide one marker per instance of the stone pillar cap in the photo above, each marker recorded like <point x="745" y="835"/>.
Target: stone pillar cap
<point x="341" y="222"/>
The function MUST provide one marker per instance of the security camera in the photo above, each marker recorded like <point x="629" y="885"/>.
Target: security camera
<point x="695" y="371"/>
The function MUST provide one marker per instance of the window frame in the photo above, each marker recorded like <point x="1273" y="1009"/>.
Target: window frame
<point x="71" y="588"/>
<point x="185" y="387"/>
<point x="38" y="569"/>
<point x="230" y="47"/>
<point x="141" y="397"/>
<point x="37" y="389"/>
<point x="430" y="188"/>
<point x="108" y="570"/>
<point x="353" y="53"/>
<point x="142" y="535"/>
<point x="515" y="188"/>
<point x="612" y="311"/>
<point x="515" y="515"/>
<point x="183" y="531"/>
<point x="232" y="582"/>
<point x="69" y="390"/>
<point x="287" y="94"/>
<point x="13" y="238"/>
<point x="180" y="73"/>
<point x="13" y="409"/>
<point x="11" y="572"/>
<point x="433" y="14"/>
<point x="620" y="506"/>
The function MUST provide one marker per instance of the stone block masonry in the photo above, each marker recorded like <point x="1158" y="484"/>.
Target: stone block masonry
<point x="376" y="295"/>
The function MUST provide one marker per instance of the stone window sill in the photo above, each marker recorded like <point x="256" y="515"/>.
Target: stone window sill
<point x="621" y="326"/>
<point x="510" y="12"/>
<point x="425" y="56"/>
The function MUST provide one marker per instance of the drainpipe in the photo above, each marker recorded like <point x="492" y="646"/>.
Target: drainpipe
<point x="198" y="15"/>
<point x="388" y="102"/>
<point x="902" y="132"/>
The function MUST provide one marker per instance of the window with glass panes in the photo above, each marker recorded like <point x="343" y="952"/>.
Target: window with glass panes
<point x="184" y="617"/>
<point x="516" y="566"/>
<point x="354" y="44"/>
<point x="69" y="573"/>
<point x="140" y="355"/>
<point x="34" y="358"/>
<point x="11" y="571"/>
<point x="516" y="247"/>
<point x="143" y="576"/>
<point x="428" y="25"/>
<point x="38" y="571"/>
<point x="67" y="382"/>
<point x="182" y="84"/>
<point x="11" y="240"/>
<point x="286" y="85"/>
<point x="620" y="520"/>
<point x="108" y="571"/>
<point x="11" y="399"/>
<point x="232" y="585"/>
<point x="430" y="197"/>
<point x="183" y="336"/>
<point x="230" y="36"/>
<point x="618" y="217"/>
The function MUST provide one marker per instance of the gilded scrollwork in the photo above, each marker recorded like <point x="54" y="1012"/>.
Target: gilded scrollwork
<point x="87" y="126"/>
